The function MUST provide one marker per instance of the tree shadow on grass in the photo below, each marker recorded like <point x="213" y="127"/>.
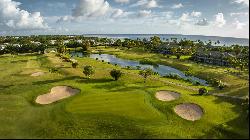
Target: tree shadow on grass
<point x="7" y="86"/>
<point x="17" y="61"/>
<point x="230" y="129"/>
<point x="86" y="80"/>
<point x="56" y="80"/>
<point x="121" y="86"/>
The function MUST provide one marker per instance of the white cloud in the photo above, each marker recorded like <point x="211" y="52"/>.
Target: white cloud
<point x="202" y="22"/>
<point x="146" y="4"/>
<point x="177" y="6"/>
<point x="144" y="13"/>
<point x="65" y="19"/>
<point x="122" y="1"/>
<point x="238" y="24"/>
<point x="196" y="14"/>
<point x="119" y="13"/>
<point x="91" y="8"/>
<point x="185" y="17"/>
<point x="152" y="4"/>
<point x="244" y="2"/>
<point x="219" y="20"/>
<point x="12" y="17"/>
<point x="239" y="14"/>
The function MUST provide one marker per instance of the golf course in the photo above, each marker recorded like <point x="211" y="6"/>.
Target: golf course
<point x="43" y="96"/>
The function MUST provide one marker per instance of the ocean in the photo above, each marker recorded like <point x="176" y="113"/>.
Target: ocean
<point x="228" y="41"/>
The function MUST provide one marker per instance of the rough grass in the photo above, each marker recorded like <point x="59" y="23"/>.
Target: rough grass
<point x="105" y="108"/>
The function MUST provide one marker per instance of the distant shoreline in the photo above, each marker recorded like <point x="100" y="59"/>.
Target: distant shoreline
<point x="223" y="40"/>
<point x="129" y="34"/>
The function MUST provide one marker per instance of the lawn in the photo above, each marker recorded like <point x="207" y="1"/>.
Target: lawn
<point x="105" y="108"/>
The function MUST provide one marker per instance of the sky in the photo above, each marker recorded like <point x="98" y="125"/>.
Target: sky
<point x="227" y="18"/>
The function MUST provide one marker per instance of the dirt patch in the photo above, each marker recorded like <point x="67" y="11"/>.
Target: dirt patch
<point x="37" y="74"/>
<point x="56" y="93"/>
<point x="167" y="95"/>
<point x="189" y="111"/>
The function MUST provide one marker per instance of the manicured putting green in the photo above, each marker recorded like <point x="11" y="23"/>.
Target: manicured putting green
<point x="125" y="104"/>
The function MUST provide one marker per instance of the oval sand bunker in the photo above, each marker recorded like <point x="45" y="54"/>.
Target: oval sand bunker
<point x="37" y="74"/>
<point x="167" y="95"/>
<point x="56" y="93"/>
<point x="189" y="111"/>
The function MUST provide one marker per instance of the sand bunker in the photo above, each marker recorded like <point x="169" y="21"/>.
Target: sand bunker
<point x="37" y="74"/>
<point x="56" y="93"/>
<point x="167" y="95"/>
<point x="189" y="111"/>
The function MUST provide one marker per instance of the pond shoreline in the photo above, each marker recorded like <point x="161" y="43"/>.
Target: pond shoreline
<point x="162" y="70"/>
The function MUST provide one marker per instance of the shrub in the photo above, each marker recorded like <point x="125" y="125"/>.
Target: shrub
<point x="145" y="73"/>
<point x="128" y="67"/>
<point x="53" y="70"/>
<point x="172" y="76"/>
<point x="96" y="58"/>
<point x="102" y="60"/>
<point x="116" y="74"/>
<point x="156" y="73"/>
<point x="197" y="83"/>
<point x="138" y="67"/>
<point x="203" y="91"/>
<point x="74" y="64"/>
<point x="221" y="85"/>
<point x="178" y="56"/>
<point x="66" y="58"/>
<point x="88" y="71"/>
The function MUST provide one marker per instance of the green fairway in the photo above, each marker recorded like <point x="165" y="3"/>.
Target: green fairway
<point x="105" y="108"/>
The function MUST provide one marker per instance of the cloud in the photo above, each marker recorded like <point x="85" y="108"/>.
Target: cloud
<point x="12" y="17"/>
<point x="144" y="13"/>
<point x="239" y="14"/>
<point x="152" y="4"/>
<point x="88" y="9"/>
<point x="146" y="4"/>
<point x="91" y="8"/>
<point x="189" y="19"/>
<point x="177" y="6"/>
<point x="119" y="13"/>
<point x="185" y="17"/>
<point x="219" y="20"/>
<point x="238" y="24"/>
<point x="202" y="22"/>
<point x="244" y="2"/>
<point x="122" y="1"/>
<point x="196" y="14"/>
<point x="65" y="19"/>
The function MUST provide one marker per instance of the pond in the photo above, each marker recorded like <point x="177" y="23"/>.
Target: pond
<point x="162" y="70"/>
